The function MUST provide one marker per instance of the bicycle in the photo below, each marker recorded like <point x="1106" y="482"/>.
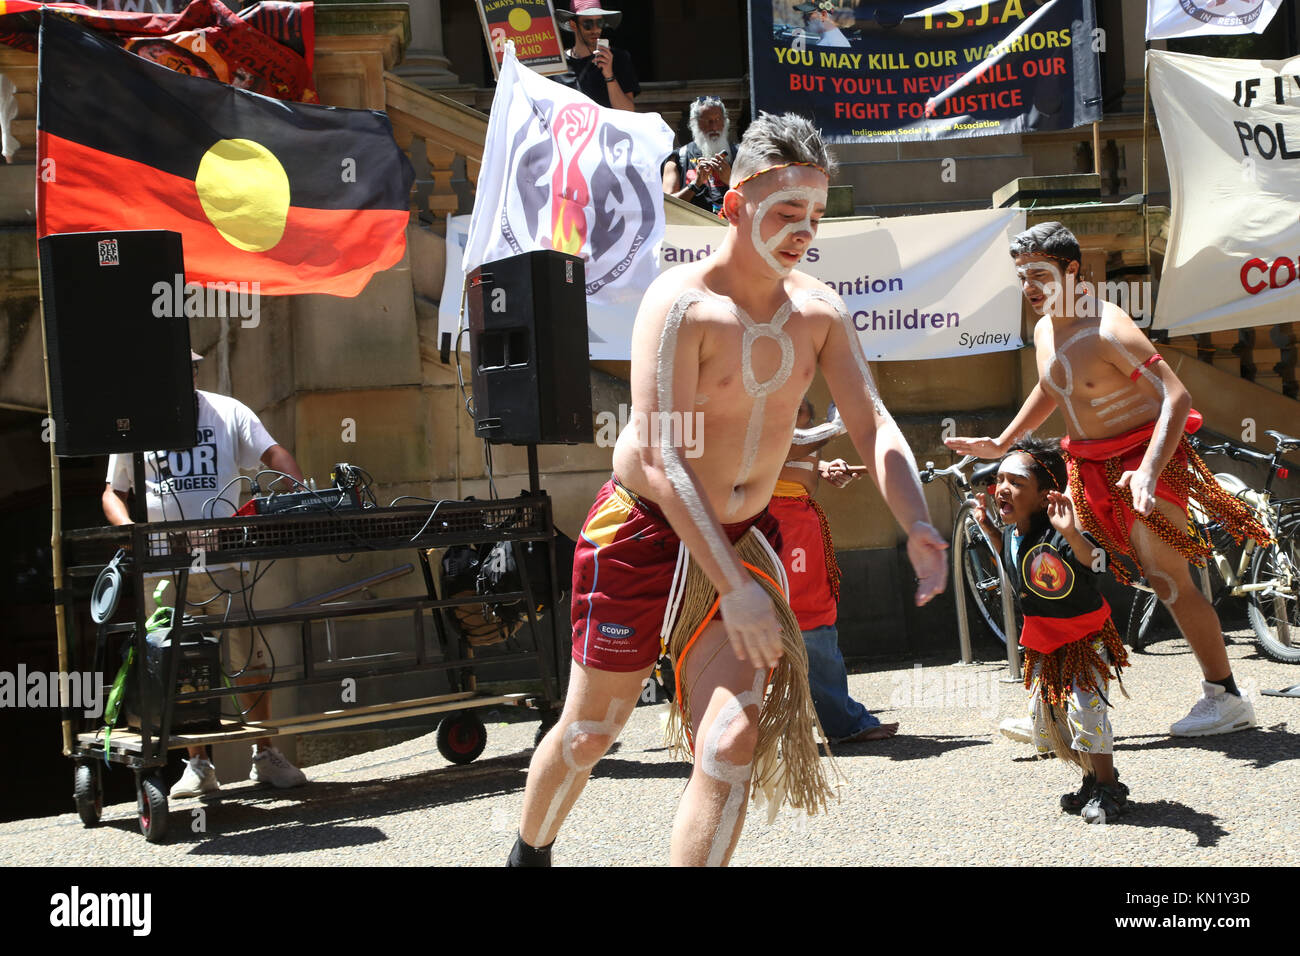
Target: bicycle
<point x="974" y="558"/>
<point x="1268" y="577"/>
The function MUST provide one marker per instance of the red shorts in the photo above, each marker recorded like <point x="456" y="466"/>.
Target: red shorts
<point x="804" y="555"/>
<point x="622" y="571"/>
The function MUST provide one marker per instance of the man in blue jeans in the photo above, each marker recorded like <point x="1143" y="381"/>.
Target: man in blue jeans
<point x="809" y="559"/>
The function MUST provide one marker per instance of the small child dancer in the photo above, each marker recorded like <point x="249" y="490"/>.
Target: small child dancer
<point x="1070" y="642"/>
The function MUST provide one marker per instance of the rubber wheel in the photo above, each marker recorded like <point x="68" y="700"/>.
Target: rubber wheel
<point x="1278" y="566"/>
<point x="461" y="736"/>
<point x="88" y="792"/>
<point x="983" y="582"/>
<point x="1140" y="616"/>
<point x="151" y="806"/>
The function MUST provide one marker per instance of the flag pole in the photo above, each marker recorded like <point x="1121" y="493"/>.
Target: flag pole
<point x="56" y="530"/>
<point x="1096" y="147"/>
<point x="1146" y="127"/>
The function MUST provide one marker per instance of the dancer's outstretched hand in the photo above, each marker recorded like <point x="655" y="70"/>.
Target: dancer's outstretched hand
<point x="752" y="625"/>
<point x="927" y="552"/>
<point x="979" y="447"/>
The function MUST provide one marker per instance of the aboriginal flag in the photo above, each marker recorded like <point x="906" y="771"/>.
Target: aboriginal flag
<point x="297" y="198"/>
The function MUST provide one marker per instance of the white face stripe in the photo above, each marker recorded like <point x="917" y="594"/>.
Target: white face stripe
<point x="607" y="727"/>
<point x="767" y="249"/>
<point x="673" y="467"/>
<point x="1022" y="273"/>
<point x="1015" y="466"/>
<point x="734" y="775"/>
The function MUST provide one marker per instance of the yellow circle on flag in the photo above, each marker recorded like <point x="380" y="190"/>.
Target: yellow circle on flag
<point x="244" y="192"/>
<point x="519" y="19"/>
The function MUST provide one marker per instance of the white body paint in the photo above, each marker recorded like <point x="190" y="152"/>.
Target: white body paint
<point x="1015" y="466"/>
<point x="823" y="432"/>
<point x="773" y="329"/>
<point x="608" y="727"/>
<point x="673" y="467"/>
<point x="735" y="776"/>
<point x="1119" y="405"/>
<point x="805" y="465"/>
<point x="767" y="249"/>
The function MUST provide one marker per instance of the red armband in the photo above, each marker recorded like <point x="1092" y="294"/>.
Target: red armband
<point x="1137" y="372"/>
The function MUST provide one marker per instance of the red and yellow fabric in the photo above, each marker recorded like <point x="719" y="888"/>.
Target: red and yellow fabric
<point x="267" y="48"/>
<point x="1106" y="510"/>
<point x="808" y="554"/>
<point x="296" y="198"/>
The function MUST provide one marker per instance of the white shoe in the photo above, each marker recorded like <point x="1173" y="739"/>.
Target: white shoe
<point x="1019" y="729"/>
<point x="200" y="777"/>
<point x="1218" y="712"/>
<point x="270" y="766"/>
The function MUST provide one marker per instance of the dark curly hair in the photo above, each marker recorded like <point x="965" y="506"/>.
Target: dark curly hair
<point x="1047" y="463"/>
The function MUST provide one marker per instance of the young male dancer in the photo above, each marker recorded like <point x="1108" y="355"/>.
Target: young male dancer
<point x="734" y="338"/>
<point x="1131" y="472"/>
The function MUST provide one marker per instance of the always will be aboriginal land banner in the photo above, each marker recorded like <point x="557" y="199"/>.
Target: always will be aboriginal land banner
<point x="914" y="71"/>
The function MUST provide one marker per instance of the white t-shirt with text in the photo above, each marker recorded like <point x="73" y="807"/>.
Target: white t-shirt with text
<point x="178" y="483"/>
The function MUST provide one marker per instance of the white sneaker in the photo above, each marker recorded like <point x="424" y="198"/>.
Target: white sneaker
<point x="270" y="766"/>
<point x="200" y="777"/>
<point x="1218" y="712"/>
<point x="1019" y="729"/>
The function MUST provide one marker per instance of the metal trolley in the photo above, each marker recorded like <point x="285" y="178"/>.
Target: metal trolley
<point x="172" y="547"/>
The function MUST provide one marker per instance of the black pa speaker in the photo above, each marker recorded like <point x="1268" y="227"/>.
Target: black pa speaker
<point x="528" y="350"/>
<point x="118" y="341"/>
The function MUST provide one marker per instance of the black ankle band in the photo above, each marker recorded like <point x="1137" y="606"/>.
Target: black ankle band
<point x="1228" y="684"/>
<point x="524" y="855"/>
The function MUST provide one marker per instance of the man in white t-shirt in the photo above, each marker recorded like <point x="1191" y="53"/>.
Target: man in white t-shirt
<point x="200" y="482"/>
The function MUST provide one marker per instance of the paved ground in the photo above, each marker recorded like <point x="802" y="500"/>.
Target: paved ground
<point x="948" y="790"/>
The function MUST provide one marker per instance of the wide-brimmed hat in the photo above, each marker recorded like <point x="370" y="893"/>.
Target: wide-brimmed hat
<point x="588" y="8"/>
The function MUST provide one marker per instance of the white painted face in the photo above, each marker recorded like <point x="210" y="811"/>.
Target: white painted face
<point x="1015" y="465"/>
<point x="789" y="215"/>
<point x="1040" y="278"/>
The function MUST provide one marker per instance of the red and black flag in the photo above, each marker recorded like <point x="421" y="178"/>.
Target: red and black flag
<point x="297" y="198"/>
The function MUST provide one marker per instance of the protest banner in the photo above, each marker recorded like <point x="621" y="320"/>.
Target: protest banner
<point x="530" y="26"/>
<point x="1167" y="19"/>
<point x="916" y="287"/>
<point x="925" y="71"/>
<point x="1231" y="134"/>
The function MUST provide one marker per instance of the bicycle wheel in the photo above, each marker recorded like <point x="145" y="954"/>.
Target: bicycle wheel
<point x="1274" y="610"/>
<point x="983" y="582"/>
<point x="1140" y="615"/>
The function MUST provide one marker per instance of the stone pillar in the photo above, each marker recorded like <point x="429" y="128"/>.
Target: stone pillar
<point x="425" y="63"/>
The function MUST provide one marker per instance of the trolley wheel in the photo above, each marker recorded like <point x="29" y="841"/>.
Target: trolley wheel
<point x="461" y="736"/>
<point x="88" y="792"/>
<point x="151" y="806"/>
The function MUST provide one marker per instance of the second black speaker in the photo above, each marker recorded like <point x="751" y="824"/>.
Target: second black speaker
<point x="528" y="350"/>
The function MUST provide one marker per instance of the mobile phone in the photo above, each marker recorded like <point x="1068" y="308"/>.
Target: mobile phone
<point x="603" y="43"/>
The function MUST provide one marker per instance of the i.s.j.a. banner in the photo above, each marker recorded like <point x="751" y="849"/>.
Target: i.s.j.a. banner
<point x="908" y="71"/>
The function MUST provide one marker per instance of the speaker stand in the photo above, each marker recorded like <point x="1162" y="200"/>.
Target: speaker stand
<point x="534" y="484"/>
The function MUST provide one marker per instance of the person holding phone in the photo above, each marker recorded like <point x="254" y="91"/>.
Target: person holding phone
<point x="599" y="72"/>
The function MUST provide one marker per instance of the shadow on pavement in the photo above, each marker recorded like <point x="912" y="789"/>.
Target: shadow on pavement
<point x="1174" y="815"/>
<point x="1262" y="747"/>
<point x="254" y="821"/>
<point x="907" y="747"/>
